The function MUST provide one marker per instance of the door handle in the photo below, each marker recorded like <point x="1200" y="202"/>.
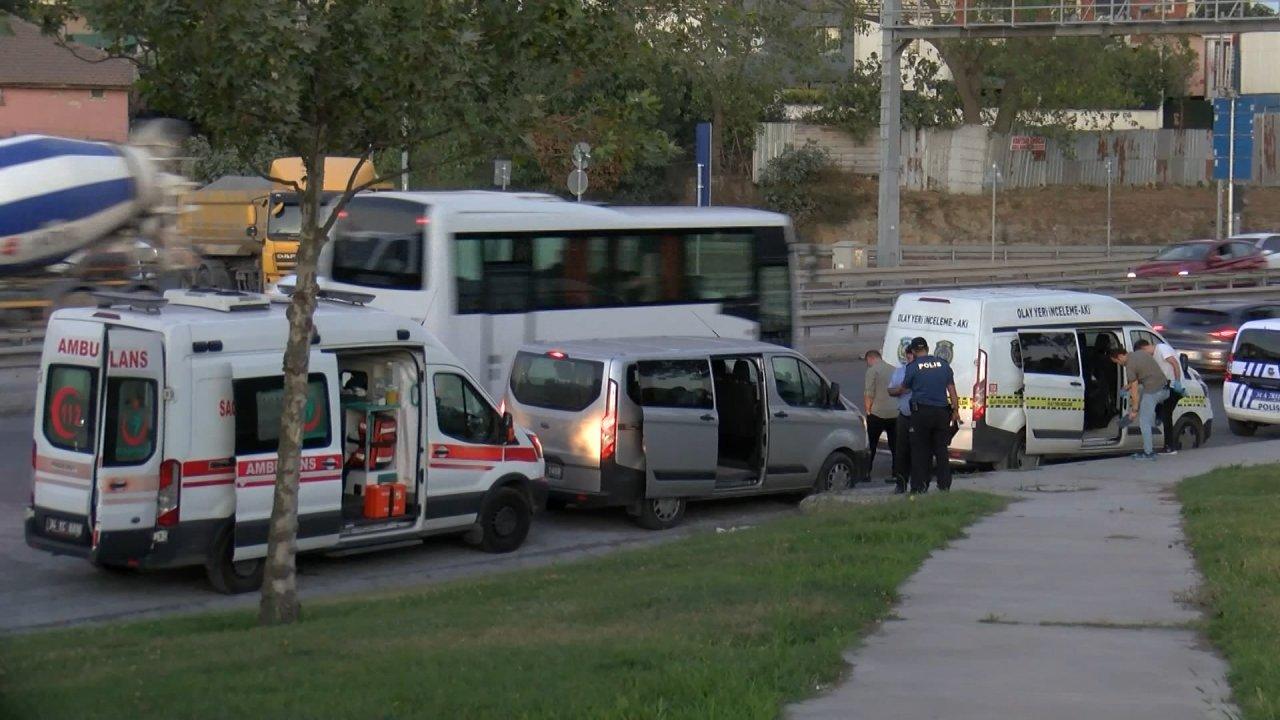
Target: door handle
<point x="1075" y="383"/>
<point x="780" y="414"/>
<point x="118" y="484"/>
<point x="440" y="452"/>
<point x="707" y="418"/>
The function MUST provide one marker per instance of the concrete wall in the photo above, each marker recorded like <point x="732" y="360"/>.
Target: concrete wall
<point x="68" y="112"/>
<point x="1259" y="56"/>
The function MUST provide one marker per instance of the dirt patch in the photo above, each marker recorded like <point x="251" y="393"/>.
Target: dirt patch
<point x="1052" y="215"/>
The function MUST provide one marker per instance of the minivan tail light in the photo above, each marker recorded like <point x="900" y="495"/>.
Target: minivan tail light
<point x="609" y="423"/>
<point x="537" y="445"/>
<point x="169" y="494"/>
<point x="980" y="387"/>
<point x="1224" y="334"/>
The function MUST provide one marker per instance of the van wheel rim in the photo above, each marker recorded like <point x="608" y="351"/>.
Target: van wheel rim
<point x="245" y="568"/>
<point x="505" y="521"/>
<point x="665" y="509"/>
<point x="838" y="476"/>
<point x="1187" y="436"/>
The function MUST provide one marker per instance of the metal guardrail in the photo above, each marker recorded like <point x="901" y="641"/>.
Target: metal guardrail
<point x="20" y="347"/>
<point x="820" y="255"/>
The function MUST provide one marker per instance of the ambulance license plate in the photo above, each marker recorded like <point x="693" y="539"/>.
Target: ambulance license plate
<point x="63" y="528"/>
<point x="555" y="471"/>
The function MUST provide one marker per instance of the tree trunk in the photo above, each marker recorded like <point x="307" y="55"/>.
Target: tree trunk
<point x="968" y="79"/>
<point x="279" y="604"/>
<point x="1010" y="104"/>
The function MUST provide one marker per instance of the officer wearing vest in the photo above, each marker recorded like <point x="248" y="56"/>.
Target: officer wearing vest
<point x="934" y="407"/>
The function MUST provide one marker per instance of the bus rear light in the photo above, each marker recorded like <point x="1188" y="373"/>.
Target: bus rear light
<point x="979" y="397"/>
<point x="609" y="423"/>
<point x="169" y="494"/>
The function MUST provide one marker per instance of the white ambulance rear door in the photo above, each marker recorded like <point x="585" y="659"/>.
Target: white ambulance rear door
<point x="130" y="458"/>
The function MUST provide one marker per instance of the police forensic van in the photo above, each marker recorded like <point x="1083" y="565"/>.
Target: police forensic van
<point x="157" y="423"/>
<point x="1251" y="385"/>
<point x="1033" y="372"/>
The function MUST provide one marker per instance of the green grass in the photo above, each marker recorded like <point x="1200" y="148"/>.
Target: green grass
<point x="713" y="626"/>
<point x="1232" y="519"/>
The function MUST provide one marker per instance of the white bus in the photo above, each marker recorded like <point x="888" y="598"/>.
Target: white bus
<point x="489" y="271"/>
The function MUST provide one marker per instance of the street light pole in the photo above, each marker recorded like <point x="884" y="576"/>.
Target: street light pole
<point x="1231" y="167"/>
<point x="1108" y="207"/>
<point x="995" y="174"/>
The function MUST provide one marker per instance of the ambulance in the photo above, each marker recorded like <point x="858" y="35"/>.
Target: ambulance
<point x="1033" y="372"/>
<point x="157" y="424"/>
<point x="1251" y="385"/>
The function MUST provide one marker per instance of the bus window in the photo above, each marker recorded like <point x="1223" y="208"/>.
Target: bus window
<point x="378" y="243"/>
<point x="570" y="272"/>
<point x="719" y="265"/>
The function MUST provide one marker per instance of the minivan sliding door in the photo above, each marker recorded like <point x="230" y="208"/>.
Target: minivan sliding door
<point x="681" y="441"/>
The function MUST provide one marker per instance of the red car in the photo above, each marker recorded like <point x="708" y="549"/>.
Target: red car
<point x="1198" y="257"/>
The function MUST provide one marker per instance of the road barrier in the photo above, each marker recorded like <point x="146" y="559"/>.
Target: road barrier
<point x="820" y="255"/>
<point x="20" y="347"/>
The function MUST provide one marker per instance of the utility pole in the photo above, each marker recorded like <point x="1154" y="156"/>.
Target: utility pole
<point x="888" y="240"/>
<point x="1108" y="207"/>
<point x="1231" y="166"/>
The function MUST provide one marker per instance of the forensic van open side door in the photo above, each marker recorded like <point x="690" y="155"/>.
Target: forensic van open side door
<point x="1053" y="391"/>
<point x="680" y="431"/>
<point x="258" y="385"/>
<point x="131" y="470"/>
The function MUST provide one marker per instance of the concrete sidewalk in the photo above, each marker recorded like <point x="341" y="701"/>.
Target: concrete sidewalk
<point x="1069" y="604"/>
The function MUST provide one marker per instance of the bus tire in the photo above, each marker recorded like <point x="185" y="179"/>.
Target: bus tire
<point x="1243" y="428"/>
<point x="504" y="520"/>
<point x="1189" y="428"/>
<point x="839" y="472"/>
<point x="229" y="577"/>
<point x="660" y="513"/>
<point x="1018" y="459"/>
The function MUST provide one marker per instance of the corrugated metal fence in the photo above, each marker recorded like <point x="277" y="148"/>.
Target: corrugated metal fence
<point x="932" y="159"/>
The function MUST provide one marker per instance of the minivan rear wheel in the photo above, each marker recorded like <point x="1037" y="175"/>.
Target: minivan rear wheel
<point x="660" y="513"/>
<point x="1018" y="459"/>
<point x="1189" y="432"/>
<point x="228" y="576"/>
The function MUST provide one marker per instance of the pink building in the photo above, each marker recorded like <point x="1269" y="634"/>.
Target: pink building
<point x="46" y="89"/>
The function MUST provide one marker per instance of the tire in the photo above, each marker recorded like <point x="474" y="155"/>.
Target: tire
<point x="504" y="520"/>
<point x="836" y="474"/>
<point x="660" y="513"/>
<point x="1189" y="432"/>
<point x="1018" y="459"/>
<point x="1242" y="427"/>
<point x="228" y="577"/>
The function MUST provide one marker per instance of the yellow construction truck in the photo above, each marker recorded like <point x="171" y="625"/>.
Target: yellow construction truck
<point x="245" y="229"/>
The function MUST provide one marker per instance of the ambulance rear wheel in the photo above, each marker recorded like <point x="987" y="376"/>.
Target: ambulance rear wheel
<point x="660" y="513"/>
<point x="504" y="520"/>
<point x="1242" y="428"/>
<point x="227" y="576"/>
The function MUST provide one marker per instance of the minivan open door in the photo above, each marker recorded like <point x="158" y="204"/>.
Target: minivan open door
<point x="1053" y="391"/>
<point x="259" y="393"/>
<point x="131" y="455"/>
<point x="681" y="441"/>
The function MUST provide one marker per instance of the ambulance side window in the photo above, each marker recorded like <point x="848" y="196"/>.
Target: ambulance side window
<point x="70" y="407"/>
<point x="259" y="404"/>
<point x="131" y="421"/>
<point x="463" y="413"/>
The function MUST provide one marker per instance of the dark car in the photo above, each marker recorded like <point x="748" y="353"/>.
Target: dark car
<point x="1199" y="257"/>
<point x="1205" y="332"/>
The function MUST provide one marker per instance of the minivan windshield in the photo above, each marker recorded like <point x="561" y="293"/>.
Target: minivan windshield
<point x="1184" y="251"/>
<point x="1258" y="345"/>
<point x="555" y="382"/>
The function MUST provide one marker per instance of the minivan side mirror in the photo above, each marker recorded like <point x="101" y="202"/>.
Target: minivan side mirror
<point x="833" y="395"/>
<point x="508" y="430"/>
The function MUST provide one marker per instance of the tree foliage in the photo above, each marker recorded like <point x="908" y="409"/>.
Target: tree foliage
<point x="802" y="183"/>
<point x="853" y="104"/>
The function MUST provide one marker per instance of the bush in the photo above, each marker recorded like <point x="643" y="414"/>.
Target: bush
<point x="803" y="183"/>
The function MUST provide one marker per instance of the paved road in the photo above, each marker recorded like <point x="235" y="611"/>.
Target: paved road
<point x="41" y="590"/>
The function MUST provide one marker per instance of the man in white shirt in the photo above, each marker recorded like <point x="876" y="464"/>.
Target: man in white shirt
<point x="1171" y="364"/>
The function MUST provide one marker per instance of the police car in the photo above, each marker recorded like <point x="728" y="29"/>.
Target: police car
<point x="157" y="425"/>
<point x="1033" y="373"/>
<point x="1251" y="385"/>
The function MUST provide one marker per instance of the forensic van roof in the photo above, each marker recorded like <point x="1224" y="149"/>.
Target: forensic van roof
<point x="652" y="347"/>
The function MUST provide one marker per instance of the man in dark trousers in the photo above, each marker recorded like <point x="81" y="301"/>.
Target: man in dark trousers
<point x="934" y="407"/>
<point x="902" y="431"/>
<point x="881" y="409"/>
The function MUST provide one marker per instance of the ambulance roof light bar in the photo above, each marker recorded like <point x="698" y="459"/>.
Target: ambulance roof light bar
<point x="141" y="302"/>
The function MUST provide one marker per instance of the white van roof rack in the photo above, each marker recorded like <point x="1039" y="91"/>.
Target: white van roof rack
<point x="142" y="302"/>
<point x="343" y="296"/>
<point x="220" y="300"/>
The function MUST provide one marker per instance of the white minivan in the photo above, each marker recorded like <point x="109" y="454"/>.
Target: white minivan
<point x="649" y="423"/>
<point x="1251" y="385"/>
<point x="157" y="424"/>
<point x="1033" y="371"/>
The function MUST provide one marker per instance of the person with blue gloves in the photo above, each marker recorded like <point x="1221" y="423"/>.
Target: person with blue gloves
<point x="1171" y="364"/>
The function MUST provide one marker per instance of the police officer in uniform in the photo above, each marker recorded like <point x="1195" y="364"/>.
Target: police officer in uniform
<point x="935" y="406"/>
